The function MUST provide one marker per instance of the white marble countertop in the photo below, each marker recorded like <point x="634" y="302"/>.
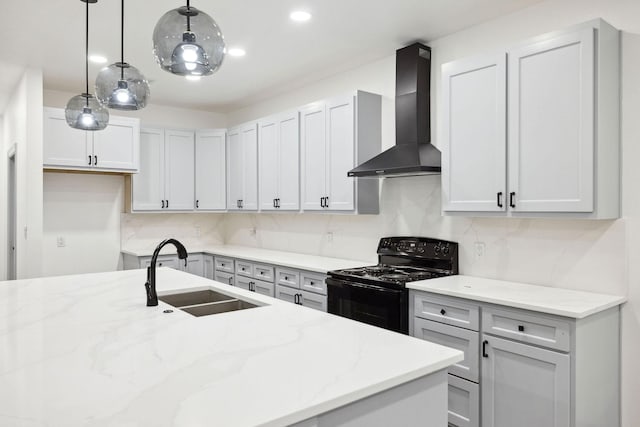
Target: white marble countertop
<point x="544" y="299"/>
<point x="299" y="261"/>
<point x="85" y="350"/>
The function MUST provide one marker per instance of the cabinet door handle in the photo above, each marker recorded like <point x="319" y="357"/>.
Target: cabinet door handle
<point x="520" y="328"/>
<point x="326" y="202"/>
<point x="197" y="204"/>
<point x="95" y="160"/>
<point x="241" y="204"/>
<point x="230" y="279"/>
<point x="163" y="204"/>
<point x="484" y="348"/>
<point x="443" y="311"/>
<point x="167" y="204"/>
<point x="274" y="203"/>
<point x="278" y="203"/>
<point x="322" y="202"/>
<point x="512" y="199"/>
<point x="89" y="160"/>
<point x="499" y="201"/>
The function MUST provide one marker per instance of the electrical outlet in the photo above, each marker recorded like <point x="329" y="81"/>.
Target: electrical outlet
<point x="479" y="249"/>
<point x="330" y="236"/>
<point x="60" y="242"/>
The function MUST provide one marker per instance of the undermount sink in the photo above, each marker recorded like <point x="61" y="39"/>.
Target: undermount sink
<point x="205" y="302"/>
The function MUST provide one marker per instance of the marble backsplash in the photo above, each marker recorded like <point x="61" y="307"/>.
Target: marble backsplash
<point x="579" y="254"/>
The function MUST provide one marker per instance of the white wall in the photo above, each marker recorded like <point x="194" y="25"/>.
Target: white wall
<point x="598" y="256"/>
<point x="23" y="127"/>
<point x="86" y="210"/>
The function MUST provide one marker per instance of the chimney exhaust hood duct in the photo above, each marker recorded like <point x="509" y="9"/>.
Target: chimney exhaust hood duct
<point x="413" y="154"/>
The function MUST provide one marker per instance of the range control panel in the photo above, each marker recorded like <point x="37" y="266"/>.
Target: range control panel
<point x="419" y="247"/>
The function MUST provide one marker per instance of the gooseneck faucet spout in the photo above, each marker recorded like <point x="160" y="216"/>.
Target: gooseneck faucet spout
<point x="150" y="285"/>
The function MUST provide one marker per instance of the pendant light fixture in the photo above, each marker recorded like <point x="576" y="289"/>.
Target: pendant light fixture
<point x="84" y="111"/>
<point x="120" y="85"/>
<point x="188" y="42"/>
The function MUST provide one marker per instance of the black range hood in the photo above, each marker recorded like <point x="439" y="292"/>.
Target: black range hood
<point x="413" y="154"/>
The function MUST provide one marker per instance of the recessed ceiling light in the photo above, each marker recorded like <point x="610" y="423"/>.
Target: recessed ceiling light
<point x="300" y="16"/>
<point x="236" y="51"/>
<point x="193" y="78"/>
<point x="98" y="59"/>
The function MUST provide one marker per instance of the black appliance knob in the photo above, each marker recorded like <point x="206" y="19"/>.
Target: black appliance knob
<point x="436" y="249"/>
<point x="445" y="250"/>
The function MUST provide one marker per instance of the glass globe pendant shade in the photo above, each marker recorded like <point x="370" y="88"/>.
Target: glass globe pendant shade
<point x="84" y="112"/>
<point x="122" y="87"/>
<point x="188" y="42"/>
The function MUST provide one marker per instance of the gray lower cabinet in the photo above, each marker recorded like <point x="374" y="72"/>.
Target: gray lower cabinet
<point x="195" y="264"/>
<point x="524" y="385"/>
<point x="209" y="266"/>
<point x="301" y="287"/>
<point x="523" y="368"/>
<point x="226" y="278"/>
<point x="132" y="262"/>
<point x="255" y="285"/>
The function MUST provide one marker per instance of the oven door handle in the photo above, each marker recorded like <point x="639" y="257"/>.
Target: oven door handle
<point x="346" y="284"/>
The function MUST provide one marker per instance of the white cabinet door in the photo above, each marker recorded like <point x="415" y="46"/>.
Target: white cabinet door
<point x="463" y="402"/>
<point x="263" y="288"/>
<point x="209" y="267"/>
<point x="311" y="300"/>
<point x="551" y="124"/>
<point x="210" y="164"/>
<point x="314" y="164"/>
<point x="64" y="145"/>
<point x="524" y="385"/>
<point x="340" y="146"/>
<point x="234" y="169"/>
<point x="289" y="162"/>
<point x="118" y="145"/>
<point x="286" y="294"/>
<point x="179" y="170"/>
<point x="148" y="184"/>
<point x="226" y="278"/>
<point x="250" y="167"/>
<point x="279" y="143"/>
<point x="269" y="166"/>
<point x="474" y="134"/>
<point x="195" y="264"/>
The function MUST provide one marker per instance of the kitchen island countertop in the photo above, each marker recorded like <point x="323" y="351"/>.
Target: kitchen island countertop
<point x="85" y="350"/>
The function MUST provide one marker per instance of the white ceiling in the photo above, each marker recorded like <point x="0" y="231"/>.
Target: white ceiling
<point x="281" y="54"/>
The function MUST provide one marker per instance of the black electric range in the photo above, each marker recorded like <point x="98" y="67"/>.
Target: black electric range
<point x="377" y="294"/>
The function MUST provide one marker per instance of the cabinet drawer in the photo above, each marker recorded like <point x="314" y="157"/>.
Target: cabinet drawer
<point x="446" y="310"/>
<point x="287" y="277"/>
<point x="164" y="261"/>
<point x="243" y="282"/>
<point x="461" y="339"/>
<point x="226" y="278"/>
<point x="286" y="293"/>
<point x="464" y="402"/>
<point x="313" y="282"/>
<point x="263" y="272"/>
<point x="224" y="264"/>
<point x="527" y="327"/>
<point x="244" y="268"/>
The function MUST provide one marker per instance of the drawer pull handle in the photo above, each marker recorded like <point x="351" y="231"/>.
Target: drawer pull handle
<point x="286" y="277"/>
<point x="484" y="348"/>
<point x="311" y="283"/>
<point x="442" y="311"/>
<point x="520" y="328"/>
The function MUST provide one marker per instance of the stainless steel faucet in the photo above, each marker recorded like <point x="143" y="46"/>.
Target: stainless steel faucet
<point x="150" y="285"/>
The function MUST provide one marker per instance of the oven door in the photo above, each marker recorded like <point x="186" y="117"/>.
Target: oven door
<point x="375" y="305"/>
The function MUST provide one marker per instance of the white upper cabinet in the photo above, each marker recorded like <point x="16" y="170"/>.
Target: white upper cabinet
<point x="210" y="169"/>
<point x="166" y="178"/>
<point x="278" y="158"/>
<point x="474" y="160"/>
<point x="551" y="121"/>
<point x="560" y="156"/>
<point x="115" y="148"/>
<point x="242" y="168"/>
<point x="336" y="135"/>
